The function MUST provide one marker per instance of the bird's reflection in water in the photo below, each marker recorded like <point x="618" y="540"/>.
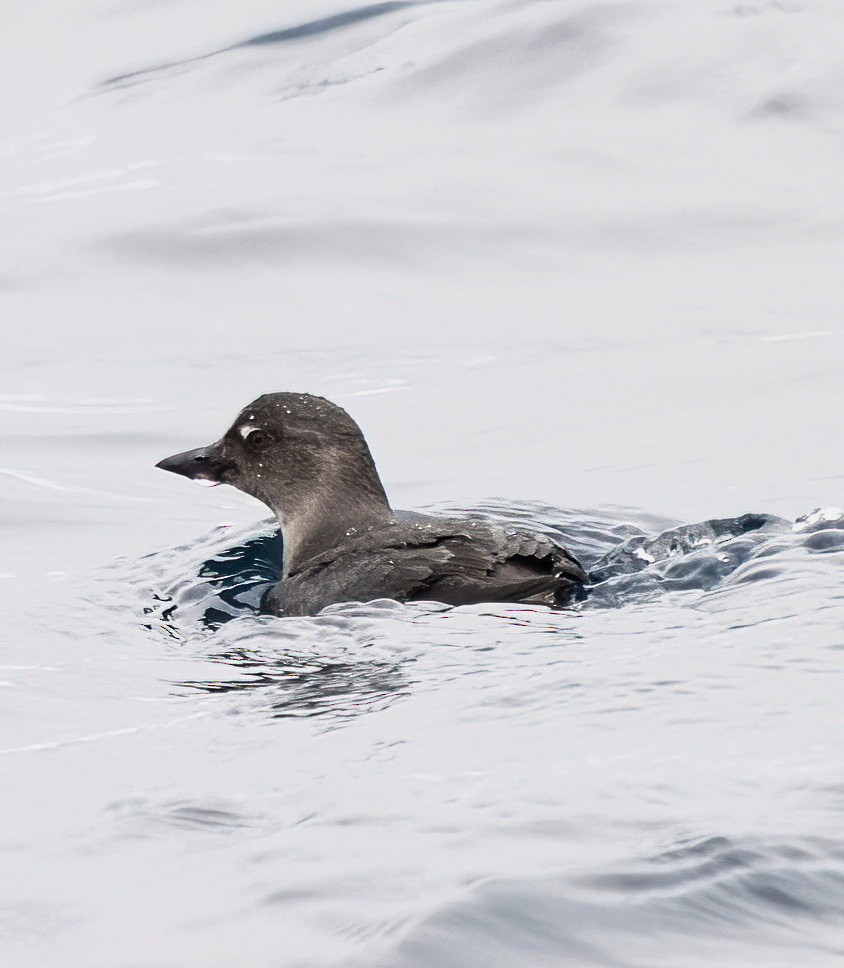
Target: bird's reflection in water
<point x="297" y="684"/>
<point x="299" y="670"/>
<point x="235" y="579"/>
<point x="213" y="585"/>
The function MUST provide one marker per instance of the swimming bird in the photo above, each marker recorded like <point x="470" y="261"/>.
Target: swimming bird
<point x="308" y="461"/>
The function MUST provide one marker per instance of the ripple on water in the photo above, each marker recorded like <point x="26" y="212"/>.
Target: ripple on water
<point x="510" y="785"/>
<point x="143" y="817"/>
<point x="204" y="596"/>
<point x="726" y="898"/>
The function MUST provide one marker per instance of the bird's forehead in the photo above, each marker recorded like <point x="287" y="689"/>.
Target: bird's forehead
<point x="285" y="410"/>
<point x="261" y="415"/>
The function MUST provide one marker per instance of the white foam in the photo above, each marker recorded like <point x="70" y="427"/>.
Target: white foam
<point x="820" y="516"/>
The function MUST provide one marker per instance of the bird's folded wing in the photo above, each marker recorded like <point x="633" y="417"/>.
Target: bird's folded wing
<point x="451" y="568"/>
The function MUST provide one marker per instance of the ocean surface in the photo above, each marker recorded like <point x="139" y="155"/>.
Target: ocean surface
<point x="571" y="263"/>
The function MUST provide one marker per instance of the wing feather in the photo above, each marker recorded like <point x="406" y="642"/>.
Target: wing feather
<point x="455" y="561"/>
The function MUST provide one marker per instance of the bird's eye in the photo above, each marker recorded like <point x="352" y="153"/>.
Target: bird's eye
<point x="258" y="440"/>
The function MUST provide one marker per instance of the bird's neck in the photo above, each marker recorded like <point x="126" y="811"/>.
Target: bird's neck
<point x="326" y="519"/>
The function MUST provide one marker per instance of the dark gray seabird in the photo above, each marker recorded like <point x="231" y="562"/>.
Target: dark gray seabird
<point x="308" y="461"/>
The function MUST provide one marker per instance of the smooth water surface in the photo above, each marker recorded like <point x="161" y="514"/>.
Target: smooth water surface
<point x="570" y="262"/>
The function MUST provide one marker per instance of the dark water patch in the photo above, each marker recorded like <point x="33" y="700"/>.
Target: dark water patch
<point x="149" y="73"/>
<point x="200" y="586"/>
<point x="284" y="35"/>
<point x="325" y="24"/>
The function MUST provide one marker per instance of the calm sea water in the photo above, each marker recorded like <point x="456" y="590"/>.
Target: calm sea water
<point x="566" y="262"/>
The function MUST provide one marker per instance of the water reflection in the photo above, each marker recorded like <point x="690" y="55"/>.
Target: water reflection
<point x="227" y="575"/>
<point x="296" y="684"/>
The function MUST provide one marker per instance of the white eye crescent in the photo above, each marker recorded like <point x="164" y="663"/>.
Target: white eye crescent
<point x="255" y="438"/>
